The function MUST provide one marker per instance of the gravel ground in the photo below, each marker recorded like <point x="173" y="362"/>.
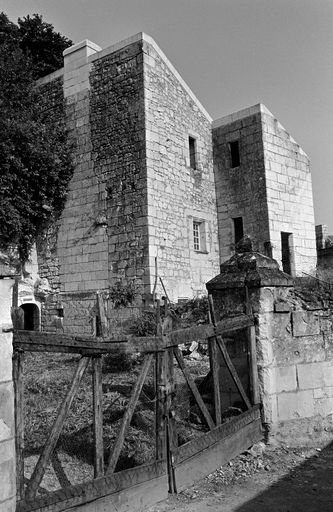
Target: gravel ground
<point x="274" y="480"/>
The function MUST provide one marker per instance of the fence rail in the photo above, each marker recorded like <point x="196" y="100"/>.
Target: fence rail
<point x="183" y="409"/>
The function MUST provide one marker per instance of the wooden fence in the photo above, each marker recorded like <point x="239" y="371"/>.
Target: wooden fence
<point x="174" y="467"/>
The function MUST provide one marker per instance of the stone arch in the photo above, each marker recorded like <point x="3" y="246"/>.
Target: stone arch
<point x="31" y="318"/>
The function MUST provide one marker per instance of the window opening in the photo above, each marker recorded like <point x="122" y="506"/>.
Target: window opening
<point x="31" y="320"/>
<point x="238" y="229"/>
<point x="192" y="150"/>
<point x="234" y="153"/>
<point x="287" y="253"/>
<point x="196" y="235"/>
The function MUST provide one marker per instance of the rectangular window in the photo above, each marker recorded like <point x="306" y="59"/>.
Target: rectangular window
<point x="287" y="253"/>
<point x="199" y="235"/>
<point x="234" y="153"/>
<point x="192" y="151"/>
<point x="196" y="236"/>
<point x="238" y="229"/>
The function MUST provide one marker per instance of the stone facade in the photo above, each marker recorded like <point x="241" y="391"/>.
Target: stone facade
<point x="153" y="188"/>
<point x="178" y="193"/>
<point x="269" y="190"/>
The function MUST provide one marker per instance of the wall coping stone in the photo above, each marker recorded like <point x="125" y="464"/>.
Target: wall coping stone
<point x="250" y="269"/>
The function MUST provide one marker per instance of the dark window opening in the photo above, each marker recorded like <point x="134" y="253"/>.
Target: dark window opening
<point x="238" y="229"/>
<point x="192" y="150"/>
<point x="234" y="153"/>
<point x="31" y="321"/>
<point x="287" y="253"/>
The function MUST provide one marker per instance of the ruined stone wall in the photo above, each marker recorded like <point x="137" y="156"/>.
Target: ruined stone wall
<point x="178" y="193"/>
<point x="240" y="190"/>
<point x="289" y="195"/>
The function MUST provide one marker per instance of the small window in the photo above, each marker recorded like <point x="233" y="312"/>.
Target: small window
<point x="199" y="236"/>
<point x="192" y="151"/>
<point x="196" y="236"/>
<point x="234" y="153"/>
<point x="238" y="229"/>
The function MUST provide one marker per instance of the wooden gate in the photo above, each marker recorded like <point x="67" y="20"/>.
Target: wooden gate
<point x="177" y="461"/>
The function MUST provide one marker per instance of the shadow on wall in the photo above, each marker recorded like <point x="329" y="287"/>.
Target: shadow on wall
<point x="306" y="488"/>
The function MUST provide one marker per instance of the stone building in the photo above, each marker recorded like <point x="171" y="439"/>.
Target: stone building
<point x="160" y="192"/>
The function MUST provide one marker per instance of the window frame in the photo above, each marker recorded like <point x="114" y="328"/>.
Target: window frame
<point x="199" y="238"/>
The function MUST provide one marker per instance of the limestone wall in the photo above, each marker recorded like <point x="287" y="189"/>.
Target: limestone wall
<point x="7" y="426"/>
<point x="270" y="188"/>
<point x="118" y="154"/>
<point x="295" y="358"/>
<point x="240" y="190"/>
<point x="289" y="195"/>
<point x="178" y="191"/>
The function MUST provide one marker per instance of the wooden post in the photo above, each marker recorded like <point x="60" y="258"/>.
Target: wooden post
<point x="214" y="366"/>
<point x="18" y="377"/>
<point x="160" y="433"/>
<point x="252" y="356"/>
<point x="171" y="431"/>
<point x="38" y="473"/>
<point x="98" y="416"/>
<point x="160" y="410"/>
<point x="102" y="315"/>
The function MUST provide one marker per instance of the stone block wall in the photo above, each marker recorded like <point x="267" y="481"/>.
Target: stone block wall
<point x="294" y="344"/>
<point x="178" y="191"/>
<point x="295" y="360"/>
<point x="270" y="189"/>
<point x="241" y="190"/>
<point x="7" y="423"/>
<point x="118" y="151"/>
<point x="289" y="195"/>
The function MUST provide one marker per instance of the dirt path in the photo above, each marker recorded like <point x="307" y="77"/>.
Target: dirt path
<point x="281" y="480"/>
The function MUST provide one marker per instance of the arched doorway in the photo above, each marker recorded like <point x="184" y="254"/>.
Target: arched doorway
<point x="31" y="319"/>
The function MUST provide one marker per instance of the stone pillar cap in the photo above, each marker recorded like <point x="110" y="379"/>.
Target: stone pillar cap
<point x="250" y="269"/>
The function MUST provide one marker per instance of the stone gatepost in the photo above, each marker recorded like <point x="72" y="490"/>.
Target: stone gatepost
<point x="7" y="423"/>
<point x="251" y="283"/>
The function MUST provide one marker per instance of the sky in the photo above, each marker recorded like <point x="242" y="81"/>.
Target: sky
<point x="232" y="54"/>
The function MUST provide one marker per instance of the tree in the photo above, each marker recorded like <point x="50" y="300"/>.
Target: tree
<point x="44" y="46"/>
<point x="35" y="157"/>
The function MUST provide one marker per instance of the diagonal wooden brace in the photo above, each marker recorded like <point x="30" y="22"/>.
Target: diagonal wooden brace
<point x="193" y="388"/>
<point x="232" y="370"/>
<point x="38" y="473"/>
<point x="128" y="415"/>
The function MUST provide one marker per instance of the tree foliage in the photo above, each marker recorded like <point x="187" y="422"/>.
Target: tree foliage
<point x="35" y="162"/>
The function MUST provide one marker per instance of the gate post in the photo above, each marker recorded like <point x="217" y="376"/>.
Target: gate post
<point x="7" y="422"/>
<point x="250" y="283"/>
